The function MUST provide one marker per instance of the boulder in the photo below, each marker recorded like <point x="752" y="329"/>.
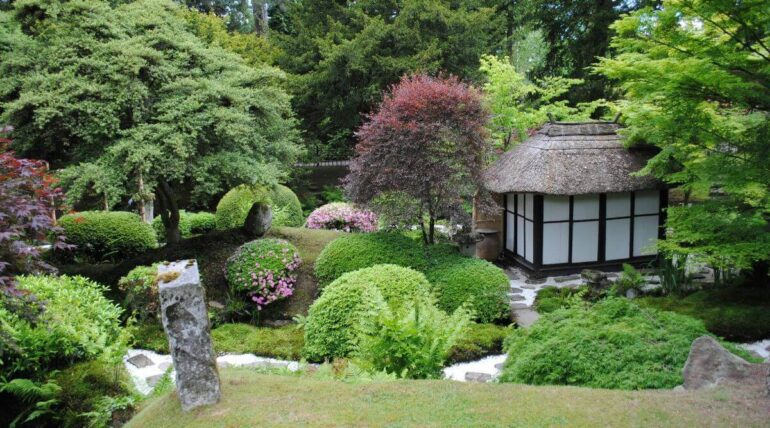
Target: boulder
<point x="478" y="377"/>
<point x="710" y="364"/>
<point x="186" y="322"/>
<point x="258" y="220"/>
<point x="593" y="276"/>
<point x="140" y="361"/>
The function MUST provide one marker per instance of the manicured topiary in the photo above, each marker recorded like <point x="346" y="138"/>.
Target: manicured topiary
<point x="263" y="270"/>
<point x="612" y="344"/>
<point x="356" y="251"/>
<point x="334" y="321"/>
<point x="190" y="224"/>
<point x="108" y="235"/>
<point x="77" y="323"/>
<point x="459" y="280"/>
<point x="342" y="216"/>
<point x="287" y="209"/>
<point x="141" y="291"/>
<point x="398" y="285"/>
<point x="235" y="205"/>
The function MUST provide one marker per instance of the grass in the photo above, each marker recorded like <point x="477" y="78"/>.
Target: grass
<point x="734" y="313"/>
<point x="253" y="399"/>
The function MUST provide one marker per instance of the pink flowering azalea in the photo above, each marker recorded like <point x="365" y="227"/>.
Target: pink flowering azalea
<point x="342" y="216"/>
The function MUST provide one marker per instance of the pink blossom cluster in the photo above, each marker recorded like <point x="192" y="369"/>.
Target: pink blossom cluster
<point x="266" y="277"/>
<point x="342" y="216"/>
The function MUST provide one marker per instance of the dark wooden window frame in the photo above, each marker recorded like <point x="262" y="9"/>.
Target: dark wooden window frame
<point x="536" y="265"/>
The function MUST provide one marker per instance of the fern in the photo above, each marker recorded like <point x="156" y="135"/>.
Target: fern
<point x="41" y="397"/>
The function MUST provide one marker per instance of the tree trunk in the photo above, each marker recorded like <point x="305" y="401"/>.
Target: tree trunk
<point x="169" y="212"/>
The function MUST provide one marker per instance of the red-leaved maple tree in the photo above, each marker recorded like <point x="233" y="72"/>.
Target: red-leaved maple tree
<point x="427" y="140"/>
<point x="28" y="198"/>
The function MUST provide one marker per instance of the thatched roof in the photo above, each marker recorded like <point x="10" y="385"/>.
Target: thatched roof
<point x="570" y="159"/>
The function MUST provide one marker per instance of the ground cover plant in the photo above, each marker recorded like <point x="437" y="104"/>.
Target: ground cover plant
<point x="737" y="313"/>
<point x="342" y="216"/>
<point x="611" y="344"/>
<point x="455" y="279"/>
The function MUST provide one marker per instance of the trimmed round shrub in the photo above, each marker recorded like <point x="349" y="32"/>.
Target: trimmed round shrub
<point x="612" y="344"/>
<point x="342" y="216"/>
<point x="398" y="285"/>
<point x="78" y="323"/>
<point x="108" y="235"/>
<point x="459" y="280"/>
<point x="190" y="224"/>
<point x="334" y="322"/>
<point x="263" y="270"/>
<point x="357" y="251"/>
<point x="235" y="205"/>
<point x="140" y="287"/>
<point x="287" y="209"/>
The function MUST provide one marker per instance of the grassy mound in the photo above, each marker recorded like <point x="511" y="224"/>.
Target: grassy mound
<point x="235" y="205"/>
<point x="287" y="209"/>
<point x="612" y="344"/>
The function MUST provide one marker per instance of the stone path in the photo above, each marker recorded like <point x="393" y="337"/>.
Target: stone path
<point x="760" y="348"/>
<point x="524" y="290"/>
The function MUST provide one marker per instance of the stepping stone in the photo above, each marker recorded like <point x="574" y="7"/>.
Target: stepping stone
<point x="560" y="279"/>
<point x="164" y="366"/>
<point x="528" y="287"/>
<point x="575" y="285"/>
<point x="140" y="361"/>
<point x="478" y="377"/>
<point x="519" y="306"/>
<point x="655" y="281"/>
<point x="516" y="290"/>
<point x="499" y="366"/>
<point x="517" y="298"/>
<point x="536" y="281"/>
<point x="525" y="317"/>
<point x="153" y="380"/>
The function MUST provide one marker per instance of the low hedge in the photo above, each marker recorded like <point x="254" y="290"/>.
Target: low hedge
<point x="455" y="279"/>
<point x="459" y="280"/>
<point x="235" y="205"/>
<point x="190" y="224"/>
<point x="398" y="285"/>
<point x="108" y="235"/>
<point x="287" y="209"/>
<point x="612" y="344"/>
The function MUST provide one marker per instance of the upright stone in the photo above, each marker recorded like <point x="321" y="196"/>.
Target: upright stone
<point x="185" y="319"/>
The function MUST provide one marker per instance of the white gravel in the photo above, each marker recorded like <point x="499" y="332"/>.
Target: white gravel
<point x="762" y="348"/>
<point x="140" y="375"/>
<point x="484" y="365"/>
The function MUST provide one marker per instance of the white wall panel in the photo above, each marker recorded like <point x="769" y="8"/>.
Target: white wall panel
<point x="509" y="225"/>
<point x="645" y="235"/>
<point x="618" y="204"/>
<point x="528" y="241"/>
<point x="585" y="241"/>
<point x="510" y="202"/>
<point x="617" y="239"/>
<point x="647" y="202"/>
<point x="529" y="206"/>
<point x="586" y="207"/>
<point x="555" y="243"/>
<point x="555" y="208"/>
<point x="520" y="236"/>
<point x="520" y="198"/>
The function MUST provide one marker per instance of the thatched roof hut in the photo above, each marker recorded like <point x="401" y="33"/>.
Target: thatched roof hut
<point x="570" y="159"/>
<point x="572" y="200"/>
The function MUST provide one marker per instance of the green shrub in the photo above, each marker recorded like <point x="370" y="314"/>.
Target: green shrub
<point x="108" y="235"/>
<point x="78" y="324"/>
<point x="549" y="299"/>
<point x="459" y="280"/>
<point x="190" y="224"/>
<point x="612" y="344"/>
<point x="287" y="209"/>
<point x="235" y="205"/>
<point x="356" y="251"/>
<point x="333" y="324"/>
<point x="411" y="343"/>
<point x="478" y="341"/>
<point x="282" y="342"/>
<point x="150" y="336"/>
<point x="455" y="279"/>
<point x="141" y="292"/>
<point x="629" y="279"/>
<point x="398" y="285"/>
<point x="263" y="270"/>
